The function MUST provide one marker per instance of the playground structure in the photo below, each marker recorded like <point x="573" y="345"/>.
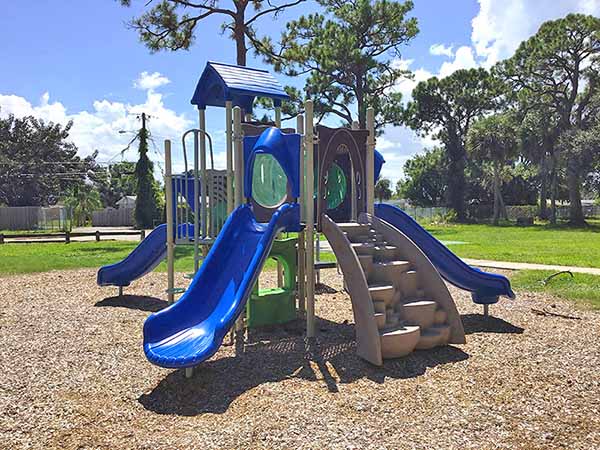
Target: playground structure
<point x="392" y="268"/>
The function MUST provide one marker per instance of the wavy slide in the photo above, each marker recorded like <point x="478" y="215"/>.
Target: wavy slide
<point x="192" y="329"/>
<point x="143" y="259"/>
<point x="485" y="287"/>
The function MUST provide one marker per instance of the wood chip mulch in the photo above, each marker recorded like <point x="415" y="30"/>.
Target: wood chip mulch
<point x="73" y="375"/>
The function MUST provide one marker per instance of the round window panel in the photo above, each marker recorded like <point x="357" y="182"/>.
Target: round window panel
<point x="269" y="182"/>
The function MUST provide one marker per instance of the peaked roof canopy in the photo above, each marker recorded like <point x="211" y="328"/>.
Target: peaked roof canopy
<point x="221" y="82"/>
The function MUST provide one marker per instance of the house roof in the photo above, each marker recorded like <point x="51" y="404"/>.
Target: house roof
<point x="222" y="82"/>
<point x="127" y="198"/>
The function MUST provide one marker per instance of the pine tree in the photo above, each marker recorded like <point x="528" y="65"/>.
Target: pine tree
<point x="146" y="209"/>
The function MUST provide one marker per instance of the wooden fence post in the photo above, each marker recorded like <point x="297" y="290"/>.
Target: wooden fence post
<point x="67" y="238"/>
<point x="97" y="235"/>
<point x="142" y="235"/>
<point x="1" y="238"/>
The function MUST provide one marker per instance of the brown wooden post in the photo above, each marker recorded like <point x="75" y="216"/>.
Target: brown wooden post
<point x="97" y="235"/>
<point x="67" y="237"/>
<point x="1" y="238"/>
<point x="142" y="235"/>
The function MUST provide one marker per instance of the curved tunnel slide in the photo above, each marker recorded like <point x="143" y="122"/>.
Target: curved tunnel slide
<point x="192" y="329"/>
<point x="485" y="287"/>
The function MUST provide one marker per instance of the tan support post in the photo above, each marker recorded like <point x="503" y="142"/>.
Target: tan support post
<point x="239" y="157"/>
<point x="371" y="161"/>
<point x="278" y="116"/>
<point x="238" y="176"/>
<point x="302" y="234"/>
<point x="170" y="234"/>
<point x="230" y="170"/>
<point x="353" y="197"/>
<point x="309" y="141"/>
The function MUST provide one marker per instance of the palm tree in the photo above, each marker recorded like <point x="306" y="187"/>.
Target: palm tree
<point x="494" y="139"/>
<point x="83" y="201"/>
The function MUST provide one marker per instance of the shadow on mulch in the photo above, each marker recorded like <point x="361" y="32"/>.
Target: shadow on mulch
<point x="287" y="355"/>
<point x="140" y="302"/>
<point x="321" y="288"/>
<point x="478" y="323"/>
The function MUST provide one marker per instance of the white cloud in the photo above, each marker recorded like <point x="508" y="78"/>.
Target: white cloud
<point x="441" y="50"/>
<point x="499" y="27"/>
<point x="397" y="145"/>
<point x="406" y="85"/>
<point x="463" y="59"/>
<point x="150" y="81"/>
<point x="98" y="128"/>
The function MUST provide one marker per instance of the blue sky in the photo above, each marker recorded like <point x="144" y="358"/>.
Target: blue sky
<point x="76" y="60"/>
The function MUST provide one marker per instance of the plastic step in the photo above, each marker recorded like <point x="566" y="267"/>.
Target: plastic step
<point x="385" y="252"/>
<point x="383" y="292"/>
<point x="389" y="271"/>
<point x="354" y="228"/>
<point x="379" y="307"/>
<point x="440" y="317"/>
<point x="366" y="262"/>
<point x="433" y="337"/>
<point x="363" y="248"/>
<point x="408" y="281"/>
<point x="399" y="341"/>
<point x="391" y="318"/>
<point x="421" y="313"/>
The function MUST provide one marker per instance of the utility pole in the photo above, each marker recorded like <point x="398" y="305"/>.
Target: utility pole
<point x="144" y="122"/>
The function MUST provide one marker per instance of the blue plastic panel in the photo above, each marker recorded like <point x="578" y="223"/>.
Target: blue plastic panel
<point x="379" y="162"/>
<point x="192" y="329"/>
<point x="485" y="286"/>
<point x="285" y="148"/>
<point x="241" y="85"/>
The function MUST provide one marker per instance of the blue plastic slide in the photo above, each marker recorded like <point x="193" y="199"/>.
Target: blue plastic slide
<point x="143" y="259"/>
<point x="484" y="286"/>
<point x="192" y="329"/>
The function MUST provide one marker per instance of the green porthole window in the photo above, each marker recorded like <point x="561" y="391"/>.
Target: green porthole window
<point x="336" y="186"/>
<point x="269" y="181"/>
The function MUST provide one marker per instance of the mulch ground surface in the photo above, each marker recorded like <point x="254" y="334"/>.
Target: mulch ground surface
<point x="73" y="375"/>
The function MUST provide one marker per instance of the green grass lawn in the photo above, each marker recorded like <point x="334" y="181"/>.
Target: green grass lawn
<point x="541" y="244"/>
<point x="581" y="287"/>
<point x="31" y="258"/>
<point x="537" y="244"/>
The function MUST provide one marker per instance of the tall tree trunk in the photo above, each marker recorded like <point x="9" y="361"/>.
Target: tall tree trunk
<point x="239" y="34"/>
<point x="553" y="188"/>
<point x="574" y="184"/>
<point x="543" y="213"/>
<point x="496" y="193"/>
<point x="456" y="182"/>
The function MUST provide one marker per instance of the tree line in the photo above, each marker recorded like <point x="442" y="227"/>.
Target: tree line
<point x="531" y="119"/>
<point x="39" y="166"/>
<point x="524" y="131"/>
